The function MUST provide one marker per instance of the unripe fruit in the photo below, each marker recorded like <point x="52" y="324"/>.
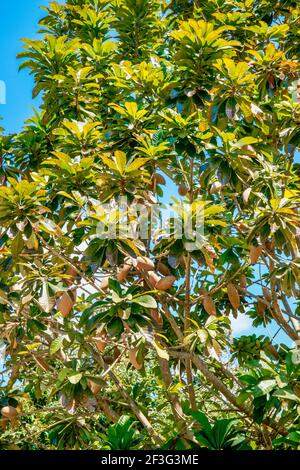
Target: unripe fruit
<point x="165" y="283"/>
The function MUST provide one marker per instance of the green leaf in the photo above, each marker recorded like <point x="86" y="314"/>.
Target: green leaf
<point x="145" y="301"/>
<point x="160" y="351"/>
<point x="17" y="245"/>
<point x="56" y="345"/>
<point x="74" y="379"/>
<point x="246" y="141"/>
<point x="136" y="164"/>
<point x="121" y="161"/>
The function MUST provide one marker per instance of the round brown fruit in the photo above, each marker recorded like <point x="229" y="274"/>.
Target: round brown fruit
<point x="9" y="412"/>
<point x="216" y="187"/>
<point x="183" y="190"/>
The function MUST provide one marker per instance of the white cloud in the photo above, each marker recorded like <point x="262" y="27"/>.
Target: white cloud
<point x="240" y="324"/>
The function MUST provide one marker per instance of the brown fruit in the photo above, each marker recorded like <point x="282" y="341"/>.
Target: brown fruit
<point x="65" y="304"/>
<point x="163" y="269"/>
<point x="144" y="263"/>
<point x="260" y="307"/>
<point x="243" y="282"/>
<point x="133" y="358"/>
<point x="124" y="271"/>
<point x="216" y="187"/>
<point x="268" y="245"/>
<point x="183" y="190"/>
<point x="233" y="296"/>
<point x="255" y="252"/>
<point x="156" y="316"/>
<point x="72" y="273"/>
<point x="267" y="294"/>
<point x="94" y="387"/>
<point x="101" y="342"/>
<point x="159" y="179"/>
<point x="3" y="423"/>
<point x="209" y="305"/>
<point x="101" y="345"/>
<point x="165" y="283"/>
<point x="9" y="412"/>
<point x="296" y="390"/>
<point x="153" y="279"/>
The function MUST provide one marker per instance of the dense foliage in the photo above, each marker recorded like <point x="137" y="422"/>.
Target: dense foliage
<point x="125" y="343"/>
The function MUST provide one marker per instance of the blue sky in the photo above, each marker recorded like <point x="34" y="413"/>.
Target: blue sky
<point x="18" y="19"/>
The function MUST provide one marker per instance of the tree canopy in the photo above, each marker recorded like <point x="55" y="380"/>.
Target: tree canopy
<point x="125" y="342"/>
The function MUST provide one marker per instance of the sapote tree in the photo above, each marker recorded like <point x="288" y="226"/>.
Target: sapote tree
<point x="126" y="342"/>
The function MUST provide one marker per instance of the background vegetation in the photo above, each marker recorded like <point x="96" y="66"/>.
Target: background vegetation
<point x="125" y="344"/>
